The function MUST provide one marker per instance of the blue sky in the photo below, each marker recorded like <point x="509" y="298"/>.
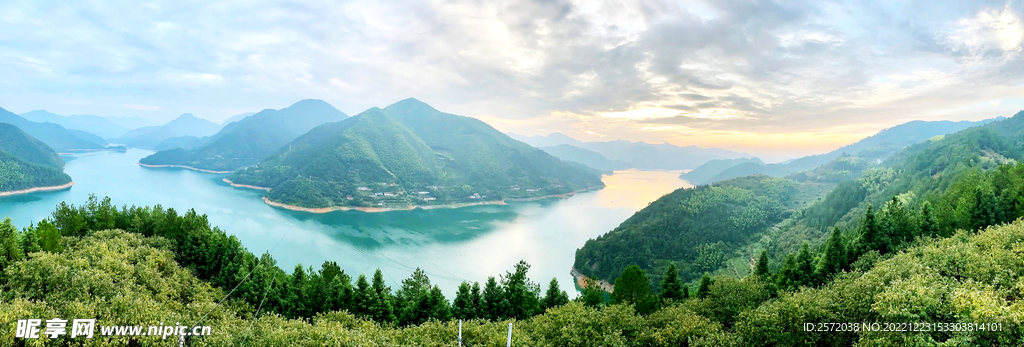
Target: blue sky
<point x="787" y="78"/>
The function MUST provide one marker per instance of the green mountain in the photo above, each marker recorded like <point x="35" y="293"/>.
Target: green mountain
<point x="236" y="118"/>
<point x="875" y="147"/>
<point x="713" y="167"/>
<point x="26" y="162"/>
<point x="410" y="154"/>
<point x="54" y="135"/>
<point x="702" y="229"/>
<point x="100" y="126"/>
<point x="184" y="125"/>
<point x="247" y="141"/>
<point x="586" y="157"/>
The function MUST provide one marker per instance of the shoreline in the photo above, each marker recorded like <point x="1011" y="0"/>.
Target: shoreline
<point x="237" y="185"/>
<point x="581" y="281"/>
<point x="403" y="208"/>
<point x="185" y="167"/>
<point x="377" y="209"/>
<point x="37" y="189"/>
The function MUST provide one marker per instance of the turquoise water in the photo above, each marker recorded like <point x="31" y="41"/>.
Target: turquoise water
<point x="451" y="245"/>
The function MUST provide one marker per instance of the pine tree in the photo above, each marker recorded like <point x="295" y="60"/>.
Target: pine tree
<point x="833" y="258"/>
<point x="554" y="297"/>
<point x="929" y="226"/>
<point x="477" y="299"/>
<point x="30" y="240"/>
<point x="495" y="304"/>
<point x="705" y="286"/>
<point x="805" y="266"/>
<point x="363" y="297"/>
<point x="463" y="306"/>
<point x="686" y="291"/>
<point x="870" y="235"/>
<point x="671" y="285"/>
<point x="761" y="270"/>
<point x="383" y="308"/>
<point x="787" y="275"/>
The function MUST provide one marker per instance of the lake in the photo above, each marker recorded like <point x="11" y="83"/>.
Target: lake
<point x="451" y="245"/>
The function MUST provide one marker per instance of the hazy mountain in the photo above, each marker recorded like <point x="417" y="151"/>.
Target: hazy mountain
<point x="878" y="146"/>
<point x="410" y="153"/>
<point x="551" y="140"/>
<point x="184" y="125"/>
<point x="247" y="141"/>
<point x="53" y="135"/>
<point x="236" y="118"/>
<point x="133" y="122"/>
<point x="26" y="162"/>
<point x="713" y="167"/>
<point x="586" y="157"/>
<point x="640" y="155"/>
<point x="100" y="126"/>
<point x="183" y="142"/>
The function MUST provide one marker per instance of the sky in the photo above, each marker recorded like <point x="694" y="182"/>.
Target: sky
<point x="780" y="79"/>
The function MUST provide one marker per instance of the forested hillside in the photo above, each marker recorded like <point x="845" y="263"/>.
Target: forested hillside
<point x="26" y="162"/>
<point x="695" y="228"/>
<point x="410" y="154"/>
<point x="249" y="140"/>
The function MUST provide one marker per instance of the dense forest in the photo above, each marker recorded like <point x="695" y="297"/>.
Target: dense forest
<point x="410" y="154"/>
<point x="26" y="162"/>
<point x="247" y="141"/>
<point x="694" y="228"/>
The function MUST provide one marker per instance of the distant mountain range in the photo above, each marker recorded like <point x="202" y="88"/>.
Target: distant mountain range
<point x="625" y="154"/>
<point x="184" y="125"/>
<point x="248" y="140"/>
<point x="871" y="149"/>
<point x="26" y="162"/>
<point x="103" y="127"/>
<point x="236" y="118"/>
<point x="410" y="154"/>
<point x="53" y="135"/>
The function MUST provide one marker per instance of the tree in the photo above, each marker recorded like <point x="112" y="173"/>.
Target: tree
<point x="870" y="235"/>
<point x="409" y="306"/>
<point x="554" y="297"/>
<point x="833" y="258"/>
<point x="495" y="305"/>
<point x="632" y="286"/>
<point x="382" y="305"/>
<point x="10" y="248"/>
<point x="671" y="285"/>
<point x="464" y="306"/>
<point x="761" y="270"/>
<point x="705" y="285"/>
<point x="805" y="266"/>
<point x="592" y="295"/>
<point x="523" y="295"/>
<point x="49" y="237"/>
<point x="929" y="226"/>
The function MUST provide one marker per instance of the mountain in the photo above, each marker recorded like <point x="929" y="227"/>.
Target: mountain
<point x="183" y="142"/>
<point x="551" y="140"/>
<point x="646" y="156"/>
<point x="586" y="157"/>
<point x="706" y="171"/>
<point x="875" y="147"/>
<point x="184" y="125"/>
<point x="410" y="154"/>
<point x="718" y="227"/>
<point x="251" y="139"/>
<point x="26" y="162"/>
<point x="100" y="126"/>
<point x="236" y="118"/>
<point x="133" y="122"/>
<point x="53" y="135"/>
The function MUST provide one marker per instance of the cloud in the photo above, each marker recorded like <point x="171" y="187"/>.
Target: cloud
<point x="703" y="69"/>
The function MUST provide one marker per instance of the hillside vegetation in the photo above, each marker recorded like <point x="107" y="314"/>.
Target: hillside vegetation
<point x="26" y="162"/>
<point x="410" y="154"/>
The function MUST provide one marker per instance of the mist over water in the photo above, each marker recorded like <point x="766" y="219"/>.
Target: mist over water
<point x="451" y="245"/>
